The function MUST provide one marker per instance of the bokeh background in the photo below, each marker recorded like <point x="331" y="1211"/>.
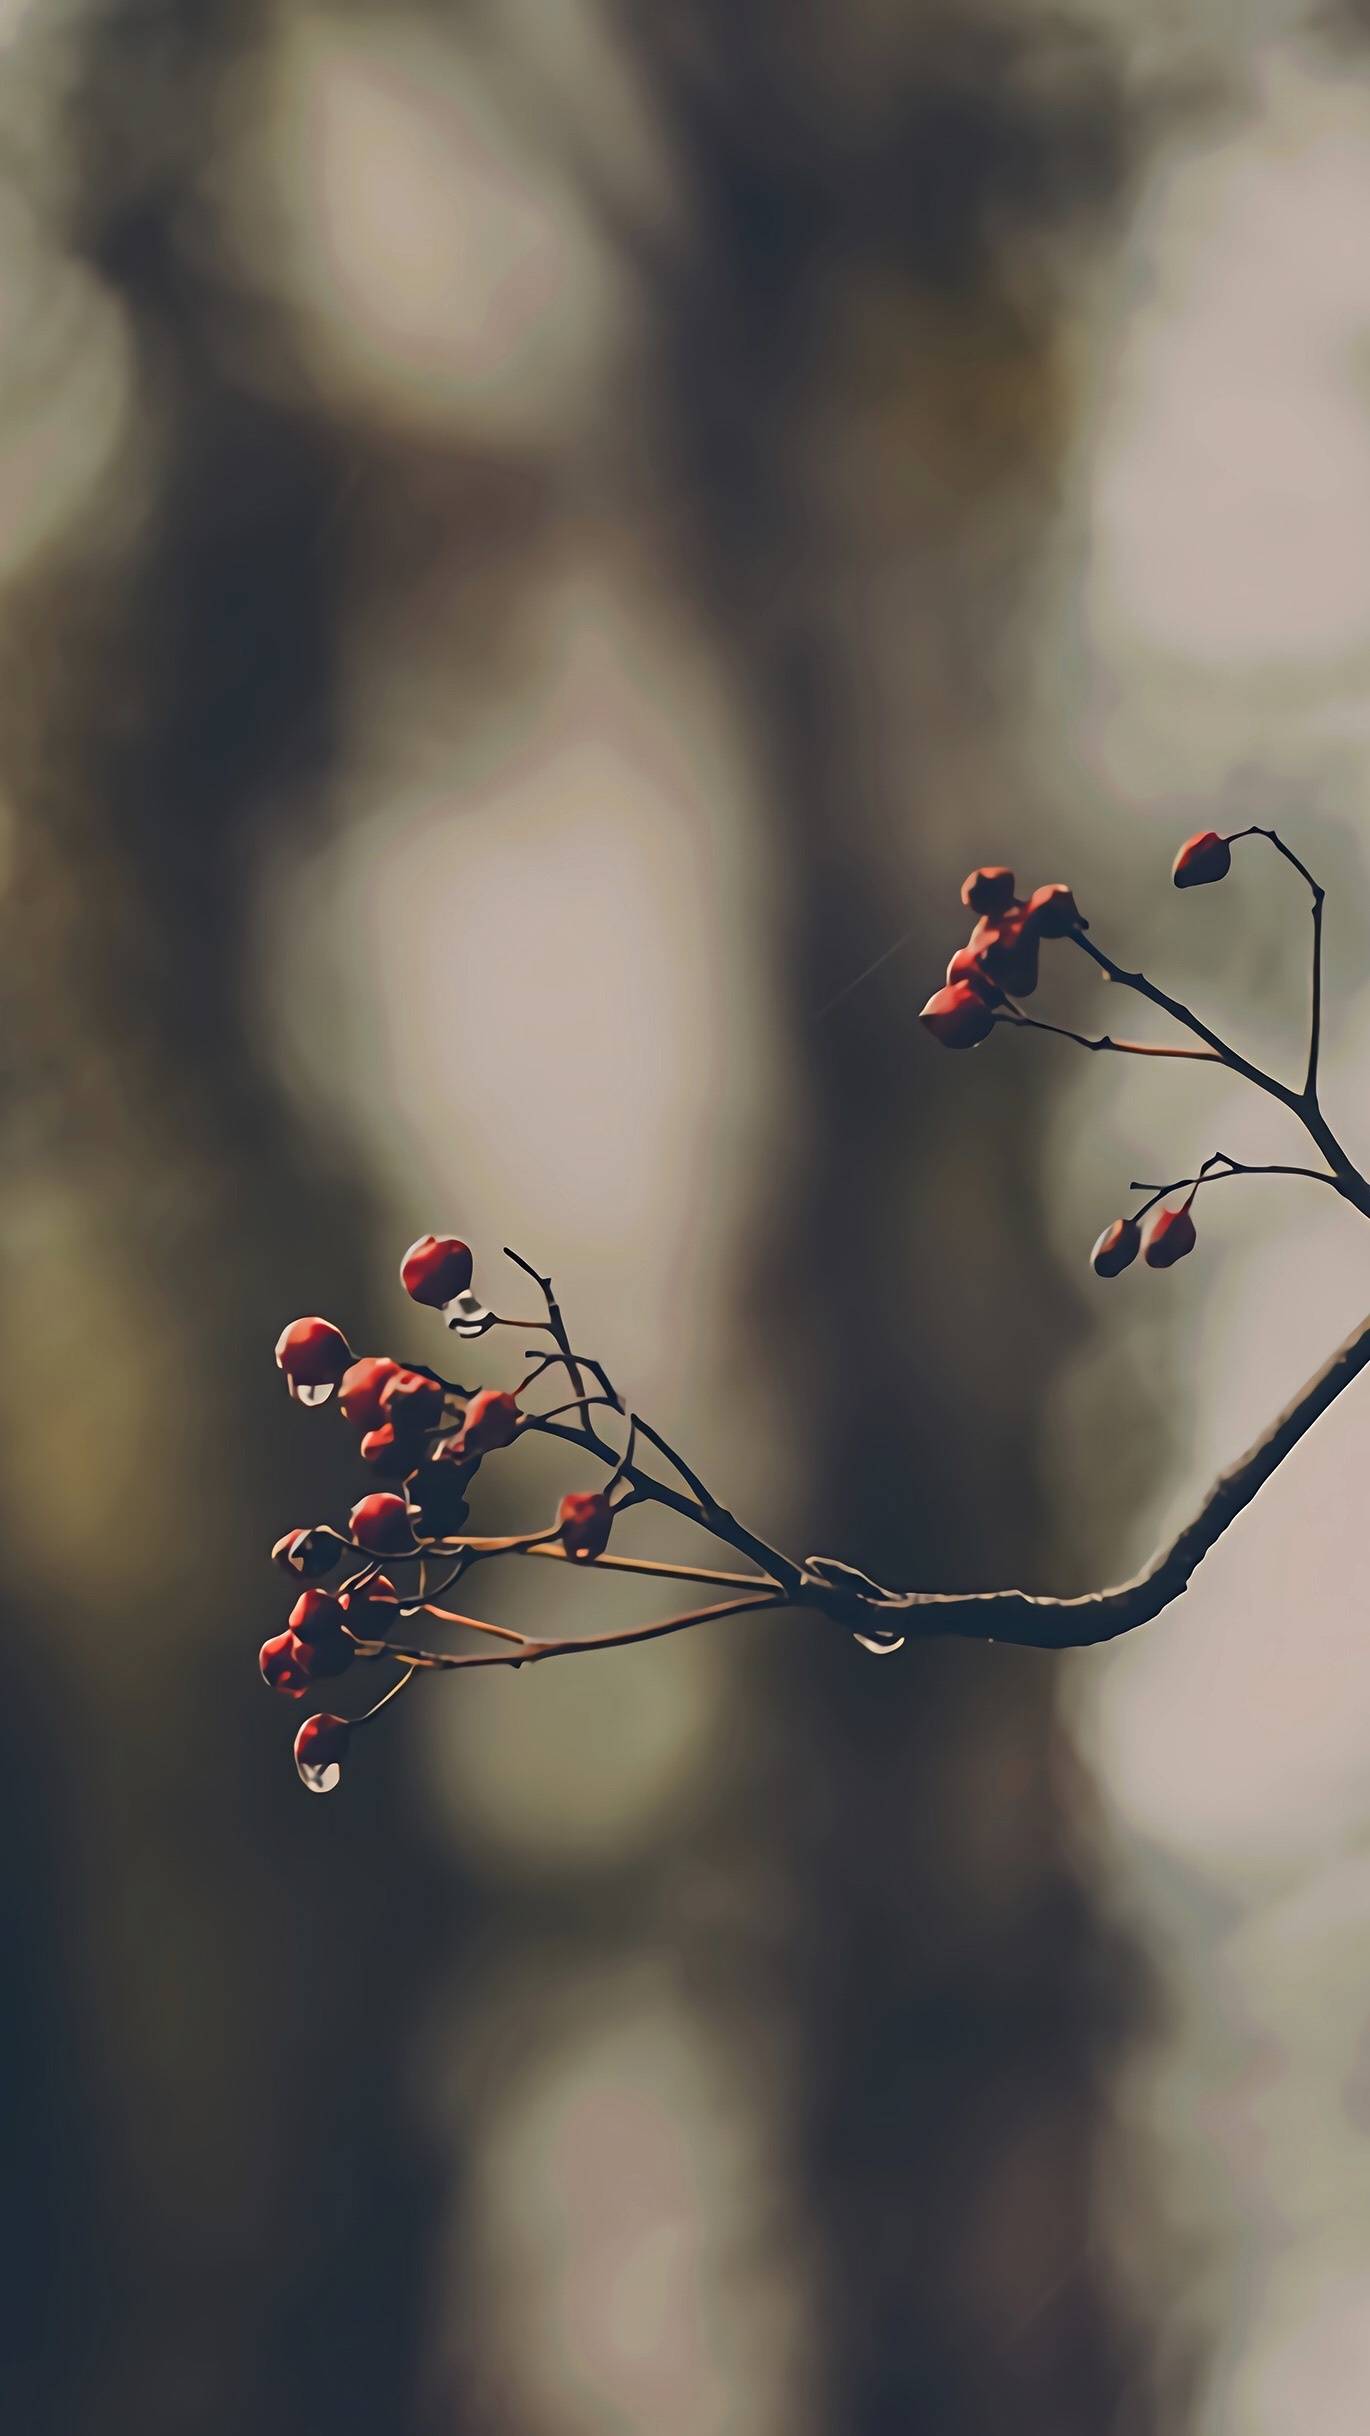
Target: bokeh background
<point x="539" y="540"/>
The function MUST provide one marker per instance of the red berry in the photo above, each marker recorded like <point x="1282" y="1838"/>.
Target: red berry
<point x="380" y="1524"/>
<point x="492" y="1419"/>
<point x="313" y="1355"/>
<point x="437" y="1497"/>
<point x="1167" y="1237"/>
<point x="988" y="890"/>
<point x="1201" y="858"/>
<point x="411" y="1402"/>
<point x="371" y="1608"/>
<point x="958" y="1017"/>
<point x="966" y="966"/>
<point x="316" y="1614"/>
<point x="1008" y="950"/>
<point x="359" y="1395"/>
<point x="320" y="1749"/>
<point x="392" y="1457"/>
<point x="586" y="1518"/>
<point x="436" y="1269"/>
<point x="307" y="1553"/>
<point x="285" y="1665"/>
<point x="1116" y="1248"/>
<point x="1052" y="912"/>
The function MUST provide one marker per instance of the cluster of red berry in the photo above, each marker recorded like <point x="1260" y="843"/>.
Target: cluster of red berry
<point x="999" y="964"/>
<point x="999" y="960"/>
<point x="1162" y="1238"/>
<point x="429" y="1437"/>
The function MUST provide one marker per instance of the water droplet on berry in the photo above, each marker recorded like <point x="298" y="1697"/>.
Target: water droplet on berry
<point x="321" y="1779"/>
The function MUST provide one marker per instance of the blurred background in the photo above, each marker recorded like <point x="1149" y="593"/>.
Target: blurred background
<point x="540" y="539"/>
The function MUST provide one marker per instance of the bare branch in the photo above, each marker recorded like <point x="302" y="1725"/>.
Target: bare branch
<point x="1103" y="1615"/>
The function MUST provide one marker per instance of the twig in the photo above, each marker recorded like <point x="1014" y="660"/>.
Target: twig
<point x="1103" y="1615"/>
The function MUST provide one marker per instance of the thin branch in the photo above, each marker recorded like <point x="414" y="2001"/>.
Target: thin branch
<point x="1318" y="894"/>
<point x="529" y="1650"/>
<point x="1182" y="1014"/>
<point x="1103" y="1615"/>
<point x="1016" y="1022"/>
<point x="1218" y="1170"/>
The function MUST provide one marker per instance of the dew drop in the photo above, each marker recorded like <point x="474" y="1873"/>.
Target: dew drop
<point x="318" y="1393"/>
<point x="325" y="1779"/>
<point x="878" y="1649"/>
<point x="467" y="1314"/>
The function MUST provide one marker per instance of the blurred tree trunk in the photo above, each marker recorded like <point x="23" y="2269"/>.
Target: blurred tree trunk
<point x="220" y="2195"/>
<point x="866" y="353"/>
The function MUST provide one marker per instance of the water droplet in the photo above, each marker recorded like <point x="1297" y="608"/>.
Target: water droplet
<point x="325" y="1779"/>
<point x="467" y="1314"/>
<point x="319" y="1393"/>
<point x="878" y="1649"/>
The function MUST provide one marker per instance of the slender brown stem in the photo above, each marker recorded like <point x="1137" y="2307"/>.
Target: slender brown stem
<point x="1102" y="1615"/>
<point x="1318" y="894"/>
<point x="1218" y="1170"/>
<point x="1123" y="1048"/>
<point x="530" y="1650"/>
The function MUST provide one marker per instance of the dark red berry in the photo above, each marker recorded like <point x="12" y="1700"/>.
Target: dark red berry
<point x="1116" y="1248"/>
<point x="958" y="1016"/>
<point x="585" y="1517"/>
<point x="966" y="966"/>
<point x="320" y="1749"/>
<point x="988" y="890"/>
<point x="436" y="1269"/>
<point x="284" y="1665"/>
<point x="492" y="1419"/>
<point x="1167" y="1236"/>
<point x="1052" y="912"/>
<point x="361" y="1389"/>
<point x="372" y="1608"/>
<point x="1201" y="858"/>
<point x="1007" y="948"/>
<point x="380" y="1524"/>
<point x="313" y="1355"/>
<point x="316" y="1614"/>
<point x="437" y="1498"/>
<point x="411" y="1403"/>
<point x="392" y="1457"/>
<point x="306" y="1553"/>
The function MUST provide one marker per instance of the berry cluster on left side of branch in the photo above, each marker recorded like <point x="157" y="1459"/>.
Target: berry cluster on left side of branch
<point x="427" y="1437"/>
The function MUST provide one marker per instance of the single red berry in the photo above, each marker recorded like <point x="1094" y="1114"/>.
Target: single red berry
<point x="361" y="1389"/>
<point x="1007" y="948"/>
<point x="320" y="1749"/>
<point x="371" y="1608"/>
<point x="307" y="1553"/>
<point x="321" y="1659"/>
<point x="966" y="966"/>
<point x="411" y="1403"/>
<point x="285" y="1665"/>
<point x="313" y="1355"/>
<point x="436" y="1269"/>
<point x="1052" y="912"/>
<point x="1167" y="1236"/>
<point x="492" y="1419"/>
<point x="586" y="1518"/>
<point x="315" y="1614"/>
<point x="380" y="1524"/>
<point x="392" y="1457"/>
<point x="437" y="1498"/>
<point x="1116" y="1248"/>
<point x="958" y="1017"/>
<point x="1201" y="858"/>
<point x="988" y="890"/>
